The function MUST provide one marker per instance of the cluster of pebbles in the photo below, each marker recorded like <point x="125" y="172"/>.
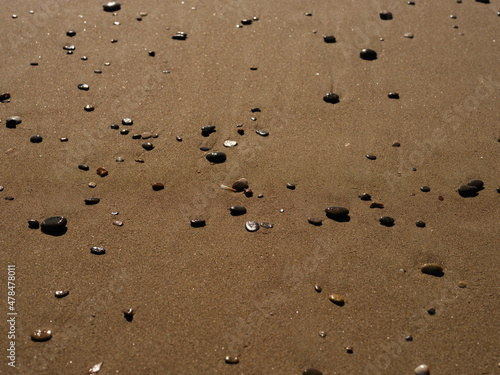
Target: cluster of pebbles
<point x="57" y="225"/>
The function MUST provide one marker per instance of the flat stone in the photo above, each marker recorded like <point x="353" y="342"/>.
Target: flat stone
<point x="252" y="226"/>
<point x="232" y="360"/>
<point x="262" y="133"/>
<point x="315" y="221"/>
<point x="41" y="335"/>
<point x="12" y="121"/>
<point x="337" y="212"/>
<point x="386" y="221"/>
<point x="36" y="139"/>
<point x="216" y="157"/>
<point x="408" y="35"/>
<point x="118" y="223"/>
<point x="33" y="224"/>
<point x="102" y="172"/>
<point x="112" y="6"/>
<point x="467" y="191"/>
<point x="237" y="210"/>
<point x="329" y="39"/>
<point x="311" y="371"/>
<point x="83" y="167"/>
<point x="54" y="224"/>
<point x="127" y="121"/>
<point x="158" y="186"/>
<point x="385" y="15"/>
<point x="229" y="143"/>
<point x="146" y="135"/>
<point x="198" y="223"/>
<point x="376" y="205"/>
<point x="420" y="224"/>
<point x="97" y="250"/>
<point x="425" y="189"/>
<point x="92" y="201"/>
<point x="371" y="157"/>
<point x="393" y="95"/>
<point x="476" y="183"/>
<point x="365" y="197"/>
<point x="180" y="35"/>
<point x="83" y="86"/>
<point x="266" y="225"/>
<point x="337" y="299"/>
<point x="4" y="97"/>
<point x="432" y="269"/>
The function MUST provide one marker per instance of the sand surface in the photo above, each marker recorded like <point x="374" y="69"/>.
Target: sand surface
<point x="201" y="294"/>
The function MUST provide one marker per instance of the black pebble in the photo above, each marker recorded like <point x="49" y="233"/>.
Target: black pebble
<point x="216" y="157"/>
<point x="198" y="223"/>
<point x="178" y="139"/>
<point x="385" y="15"/>
<point x="148" y="146"/>
<point x="371" y="157"/>
<point x="54" y="225"/>
<point x="61" y="293"/>
<point x="36" y="139"/>
<point x="387" y="221"/>
<point x="97" y="250"/>
<point x="483" y="1"/>
<point x="115" y="126"/>
<point x="71" y="33"/>
<point x="365" y="197"/>
<point x="83" y="86"/>
<point x="329" y="39"/>
<point x="237" y="210"/>
<point x="477" y="183"/>
<point x="467" y="191"/>
<point x="4" y="97"/>
<point x="290" y="186"/>
<point x="128" y="315"/>
<point x="246" y="22"/>
<point x="393" y="95"/>
<point x="255" y="109"/>
<point x="83" y="167"/>
<point x="33" y="224"/>
<point x="89" y="108"/>
<point x="112" y="6"/>
<point x="124" y="131"/>
<point x="420" y="224"/>
<point x="337" y="213"/>
<point x="179" y="35"/>
<point x="331" y="98"/>
<point x="396" y="144"/>
<point x="91" y="201"/>
<point x="368" y="54"/>
<point x="12" y="121"/>
<point x="431" y="311"/>
<point x="409" y="338"/>
<point x="9" y="198"/>
<point x="136" y="136"/>
<point x="207" y="130"/>
<point x="152" y="53"/>
<point x="425" y="189"/>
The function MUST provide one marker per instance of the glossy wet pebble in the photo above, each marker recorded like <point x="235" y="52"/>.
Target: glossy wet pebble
<point x="237" y="210"/>
<point x="83" y="86"/>
<point x="252" y="226"/>
<point x="229" y="143"/>
<point x="54" y="224"/>
<point x="232" y="360"/>
<point x="262" y="133"/>
<point x="89" y="108"/>
<point x="198" y="223"/>
<point x="36" y="139"/>
<point x="422" y="370"/>
<point x="216" y="157"/>
<point x="112" y="6"/>
<point x="4" y="97"/>
<point x="368" y="54"/>
<point x="385" y="15"/>
<point x="61" y="293"/>
<point x="393" y="95"/>
<point x="12" y="121"/>
<point x="468" y="191"/>
<point x="148" y="146"/>
<point x="337" y="299"/>
<point x="425" y="189"/>
<point x="41" y="335"/>
<point x="97" y="250"/>
<point x="365" y="197"/>
<point x="337" y="212"/>
<point x="387" y="221"/>
<point x="83" y="167"/>
<point x="92" y="201"/>
<point x="371" y="157"/>
<point x="33" y="224"/>
<point x="432" y="269"/>
<point x="331" y="98"/>
<point x="315" y="221"/>
<point x="329" y="39"/>
<point x="420" y="224"/>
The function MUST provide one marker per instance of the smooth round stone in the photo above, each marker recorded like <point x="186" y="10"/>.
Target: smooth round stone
<point x="386" y="221"/>
<point x="91" y="201"/>
<point x="152" y="53"/>
<point x="337" y="299"/>
<point x="158" y="186"/>
<point x="118" y="223"/>
<point x="349" y="349"/>
<point x="393" y="95"/>
<point x="127" y="121"/>
<point x="432" y="269"/>
<point x="83" y="167"/>
<point x="255" y="109"/>
<point x="4" y="97"/>
<point x="420" y="224"/>
<point x="97" y="250"/>
<point x="425" y="189"/>
<point x="41" y="335"/>
<point x="197" y="223"/>
<point x="98" y="71"/>
<point x="262" y="133"/>
<point x="240" y="185"/>
<point x="135" y="136"/>
<point x="365" y="197"/>
<point x="266" y="225"/>
<point x="61" y="293"/>
<point x="179" y="35"/>
<point x="112" y="6"/>
<point x="148" y="146"/>
<point x="311" y="371"/>
<point x="431" y="311"/>
<point x="409" y="338"/>
<point x="331" y="98"/>
<point x="318" y="288"/>
<point x="248" y="192"/>
<point x="204" y="148"/>
<point x="33" y="224"/>
<point x="178" y="138"/>
<point x="462" y="284"/>
<point x="146" y="135"/>
<point x="246" y="21"/>
<point x="1" y="188"/>
<point x="408" y="35"/>
<point x="371" y="157"/>
<point x="89" y="108"/>
<point x="252" y="226"/>
<point x="232" y="360"/>
<point x="396" y="144"/>
<point x="115" y="126"/>
<point x="216" y="157"/>
<point x="315" y="221"/>
<point x="322" y="334"/>
<point x="290" y="186"/>
<point x="368" y="54"/>
<point x="71" y="33"/>
<point x="477" y="183"/>
<point x="12" y="121"/>
<point x="54" y="224"/>
<point x="92" y="184"/>
<point x="83" y="86"/>
<point x="63" y="139"/>
<point x="468" y="191"/>
<point x="229" y="143"/>
<point x="207" y="130"/>
<point x="84" y="58"/>
<point x="329" y="39"/>
<point x="337" y="212"/>
<point x="36" y="139"/>
<point x="9" y="198"/>
<point x="422" y="370"/>
<point x="385" y="15"/>
<point x="376" y="205"/>
<point x="237" y="210"/>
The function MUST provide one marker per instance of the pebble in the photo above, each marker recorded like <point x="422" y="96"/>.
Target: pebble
<point x="246" y="21"/>
<point x="337" y="299"/>
<point x="462" y="284"/>
<point x="371" y="157"/>
<point x="128" y="314"/>
<point x="12" y="121"/>
<point x="393" y="95"/>
<point x="329" y="39"/>
<point x="112" y="6"/>
<point x="69" y="48"/>
<point x="420" y="224"/>
<point x="248" y="192"/>
<point x="252" y="226"/>
<point x="262" y="133"/>
<point x="467" y="191"/>
<point x="197" y="223"/>
<point x="127" y="121"/>
<point x="237" y="210"/>
<point x="63" y="139"/>
<point x="422" y="370"/>
<point x="318" y="288"/>
<point x="365" y="197"/>
<point x="255" y="109"/>
<point x="146" y="135"/>
<point x="376" y="205"/>
<point x="311" y="371"/>
<point x="322" y="334"/>
<point x="97" y="71"/>
<point x="91" y="201"/>
<point x="432" y="269"/>
<point x="216" y="157"/>
<point x="178" y="139"/>
<point x="148" y="146"/>
<point x="152" y="53"/>
<point x="36" y="139"/>
<point x="102" y="172"/>
<point x="135" y="136"/>
<point x="232" y="360"/>
<point x="118" y="223"/>
<point x="97" y="250"/>
<point x="71" y="33"/>
<point x="290" y="186"/>
<point x="9" y="198"/>
<point x="337" y="213"/>
<point x="409" y="338"/>
<point x="229" y="143"/>
<point x="114" y="213"/>
<point x="385" y="15"/>
<point x="61" y="293"/>
<point x="83" y="167"/>
<point x="396" y="144"/>
<point x="83" y="86"/>
<point x="408" y="35"/>
<point x="41" y="335"/>
<point x="4" y="97"/>
<point x="115" y="126"/>
<point x="33" y="224"/>
<point x="315" y="221"/>
<point x="89" y="108"/>
<point x="425" y="189"/>
<point x="205" y="148"/>
<point x="119" y="159"/>
<point x="431" y="311"/>
<point x="158" y="186"/>
<point x="179" y="35"/>
<point x="349" y="349"/>
<point x="331" y="98"/>
<point x="476" y="183"/>
<point x="240" y="185"/>
<point x="266" y="225"/>
<point x="1" y="188"/>
<point x="368" y="54"/>
<point x="54" y="224"/>
<point x="92" y="184"/>
<point x="387" y="221"/>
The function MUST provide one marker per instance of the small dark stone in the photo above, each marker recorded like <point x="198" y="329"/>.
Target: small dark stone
<point x="205" y="148"/>
<point x="54" y="225"/>
<point x="483" y="1"/>
<point x="112" y="41"/>
<point x="242" y="131"/>
<point x="290" y="186"/>
<point x="365" y="197"/>
<point x="409" y="338"/>
<point x="237" y="210"/>
<point x="329" y="39"/>
<point x="393" y="95"/>
<point x="425" y="189"/>
<point x="318" y="288"/>
<point x="83" y="167"/>
<point x="36" y="138"/>
<point x="158" y="186"/>
<point x="34" y="64"/>
<point x="71" y="33"/>
<point x="246" y="22"/>
<point x="311" y="371"/>
<point x="431" y="311"/>
<point x="179" y="35"/>
<point x="232" y="360"/>
<point x="255" y="109"/>
<point x="262" y="133"/>
<point x="4" y="97"/>
<point x="411" y="3"/>
<point x="385" y="15"/>
<point x="91" y="201"/>
<point x="371" y="157"/>
<point x="467" y="191"/>
<point x="432" y="269"/>
<point x="124" y="131"/>
<point x="129" y="315"/>
<point x="89" y="108"/>
<point x="136" y="136"/>
<point x="61" y="293"/>
<point x="387" y="221"/>
<point x="197" y="223"/>
<point x="152" y="53"/>
<point x="9" y="198"/>
<point x="396" y="144"/>
<point x="337" y="213"/>
<point x="248" y="192"/>
<point x="240" y="185"/>
<point x="368" y="54"/>
<point x="420" y="224"/>
<point x="315" y="221"/>
<point x="41" y="335"/>
<point x="97" y="71"/>
<point x="349" y="349"/>
<point x="115" y="126"/>
<point x="477" y="183"/>
<point x="216" y="157"/>
<point x="12" y="121"/>
<point x="178" y="139"/>
<point x="63" y="139"/>
<point x="83" y="86"/>
<point x="331" y="98"/>
<point x="148" y="146"/>
<point x="376" y="205"/>
<point x="33" y="224"/>
<point x="97" y="250"/>
<point x="112" y="6"/>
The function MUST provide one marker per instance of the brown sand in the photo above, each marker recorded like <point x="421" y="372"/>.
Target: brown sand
<point x="202" y="294"/>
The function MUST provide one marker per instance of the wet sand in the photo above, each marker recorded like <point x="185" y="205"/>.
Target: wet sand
<point x="201" y="294"/>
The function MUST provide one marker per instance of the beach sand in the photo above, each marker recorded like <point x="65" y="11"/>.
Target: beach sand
<point x="201" y="294"/>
